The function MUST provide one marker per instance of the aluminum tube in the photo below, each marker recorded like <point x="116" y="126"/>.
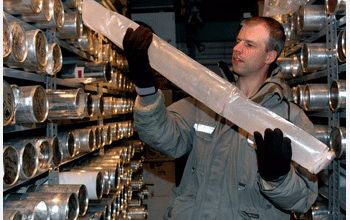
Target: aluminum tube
<point x="114" y="128"/>
<point x="337" y="7"/>
<point x="89" y="106"/>
<point x="108" y="105"/>
<point x="93" y="208"/>
<point x="313" y="57"/>
<point x="72" y="27"/>
<point x="135" y="202"/>
<point x="97" y="41"/>
<point x="6" y="38"/>
<point x="37" y="50"/>
<point x="8" y="103"/>
<point x="337" y="99"/>
<point x="56" y="146"/>
<point x="97" y="141"/>
<point x="11" y="165"/>
<point x="87" y="140"/>
<point x="98" y="104"/>
<point x="137" y="212"/>
<point x="136" y="185"/>
<point x="17" y="94"/>
<point x="312" y="17"/>
<point x="114" y="172"/>
<point x="14" y="215"/>
<point x="44" y="153"/>
<point x="44" y="15"/>
<point x="101" y="140"/>
<point x="80" y="190"/>
<point x="34" y="105"/>
<point x="322" y="133"/>
<point x="101" y="71"/>
<point x="66" y="104"/>
<point x="92" y="216"/>
<point x="107" y="54"/>
<point x="105" y="174"/>
<point x="107" y="134"/>
<point x="33" y="209"/>
<point x="300" y="94"/>
<point x="29" y="161"/>
<point x="93" y="181"/>
<point x="338" y="141"/>
<point x="69" y="145"/>
<point x="341" y="46"/>
<point x="57" y="19"/>
<point x="291" y="66"/>
<point x="316" y="97"/>
<point x="119" y="106"/>
<point x="61" y="205"/>
<point x="19" y="45"/>
<point x="51" y="156"/>
<point x="54" y="61"/>
<point x="108" y="201"/>
<point x="84" y="42"/>
<point x="18" y="7"/>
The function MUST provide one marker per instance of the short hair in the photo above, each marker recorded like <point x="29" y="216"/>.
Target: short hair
<point x="277" y="37"/>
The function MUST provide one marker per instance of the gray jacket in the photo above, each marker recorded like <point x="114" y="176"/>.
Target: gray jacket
<point x="220" y="180"/>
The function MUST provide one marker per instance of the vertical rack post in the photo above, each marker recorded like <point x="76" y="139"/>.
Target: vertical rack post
<point x="333" y="117"/>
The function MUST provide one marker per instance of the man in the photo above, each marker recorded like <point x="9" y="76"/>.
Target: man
<point x="227" y="176"/>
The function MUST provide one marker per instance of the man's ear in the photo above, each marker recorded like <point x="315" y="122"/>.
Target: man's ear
<point x="271" y="56"/>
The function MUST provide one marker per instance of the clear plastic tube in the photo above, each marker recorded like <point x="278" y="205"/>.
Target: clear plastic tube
<point x="212" y="90"/>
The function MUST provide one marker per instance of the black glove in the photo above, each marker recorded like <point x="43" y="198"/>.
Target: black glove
<point x="136" y="44"/>
<point x="274" y="154"/>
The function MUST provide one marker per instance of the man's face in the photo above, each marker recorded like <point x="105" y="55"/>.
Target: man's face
<point x="249" y="55"/>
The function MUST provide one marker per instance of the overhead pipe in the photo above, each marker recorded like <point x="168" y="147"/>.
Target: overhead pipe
<point x="79" y="189"/>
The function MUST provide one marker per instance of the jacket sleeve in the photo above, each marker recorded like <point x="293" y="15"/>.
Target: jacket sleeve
<point x="169" y="131"/>
<point x="299" y="190"/>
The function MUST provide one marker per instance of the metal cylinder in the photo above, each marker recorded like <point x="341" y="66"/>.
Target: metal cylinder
<point x="341" y="46"/>
<point x="93" y="208"/>
<point x="56" y="146"/>
<point x="337" y="141"/>
<point x="96" y="131"/>
<point x="337" y="99"/>
<point x="57" y="18"/>
<point x="72" y="27"/>
<point x="37" y="50"/>
<point x="313" y="57"/>
<point x="291" y="66"/>
<point x="17" y="94"/>
<point x="300" y="95"/>
<point x="92" y="216"/>
<point x="34" y="105"/>
<point x="11" y="165"/>
<point x="113" y="171"/>
<point x="84" y="42"/>
<point x="137" y="212"/>
<point x="87" y="140"/>
<point x="97" y="41"/>
<point x="89" y="107"/>
<point x="98" y="104"/>
<point x="69" y="145"/>
<point x="113" y="127"/>
<point x="18" y="7"/>
<point x="61" y="205"/>
<point x="44" y="153"/>
<point x="101" y="71"/>
<point x="79" y="189"/>
<point x="316" y="97"/>
<point x="337" y="7"/>
<point x="66" y="104"/>
<point x="8" y="103"/>
<point x="322" y="133"/>
<point x="312" y="17"/>
<point x="107" y="130"/>
<point x="6" y="38"/>
<point x="93" y="181"/>
<point x="108" y="105"/>
<point x="19" y="45"/>
<point x="34" y="209"/>
<point x="14" y="215"/>
<point x="28" y="158"/>
<point x="44" y="15"/>
<point x="54" y="61"/>
<point x="107" y="54"/>
<point x="105" y="174"/>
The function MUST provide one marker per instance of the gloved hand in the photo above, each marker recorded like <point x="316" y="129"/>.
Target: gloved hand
<point x="274" y="154"/>
<point x="136" y="44"/>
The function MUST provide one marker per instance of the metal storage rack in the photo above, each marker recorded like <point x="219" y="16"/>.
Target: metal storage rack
<point x="333" y="192"/>
<point x="52" y="127"/>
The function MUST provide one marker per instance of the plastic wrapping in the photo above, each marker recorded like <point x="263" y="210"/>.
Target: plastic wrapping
<point x="281" y="7"/>
<point x="206" y="86"/>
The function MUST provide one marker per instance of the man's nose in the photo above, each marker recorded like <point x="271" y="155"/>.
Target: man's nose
<point x="237" y="47"/>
